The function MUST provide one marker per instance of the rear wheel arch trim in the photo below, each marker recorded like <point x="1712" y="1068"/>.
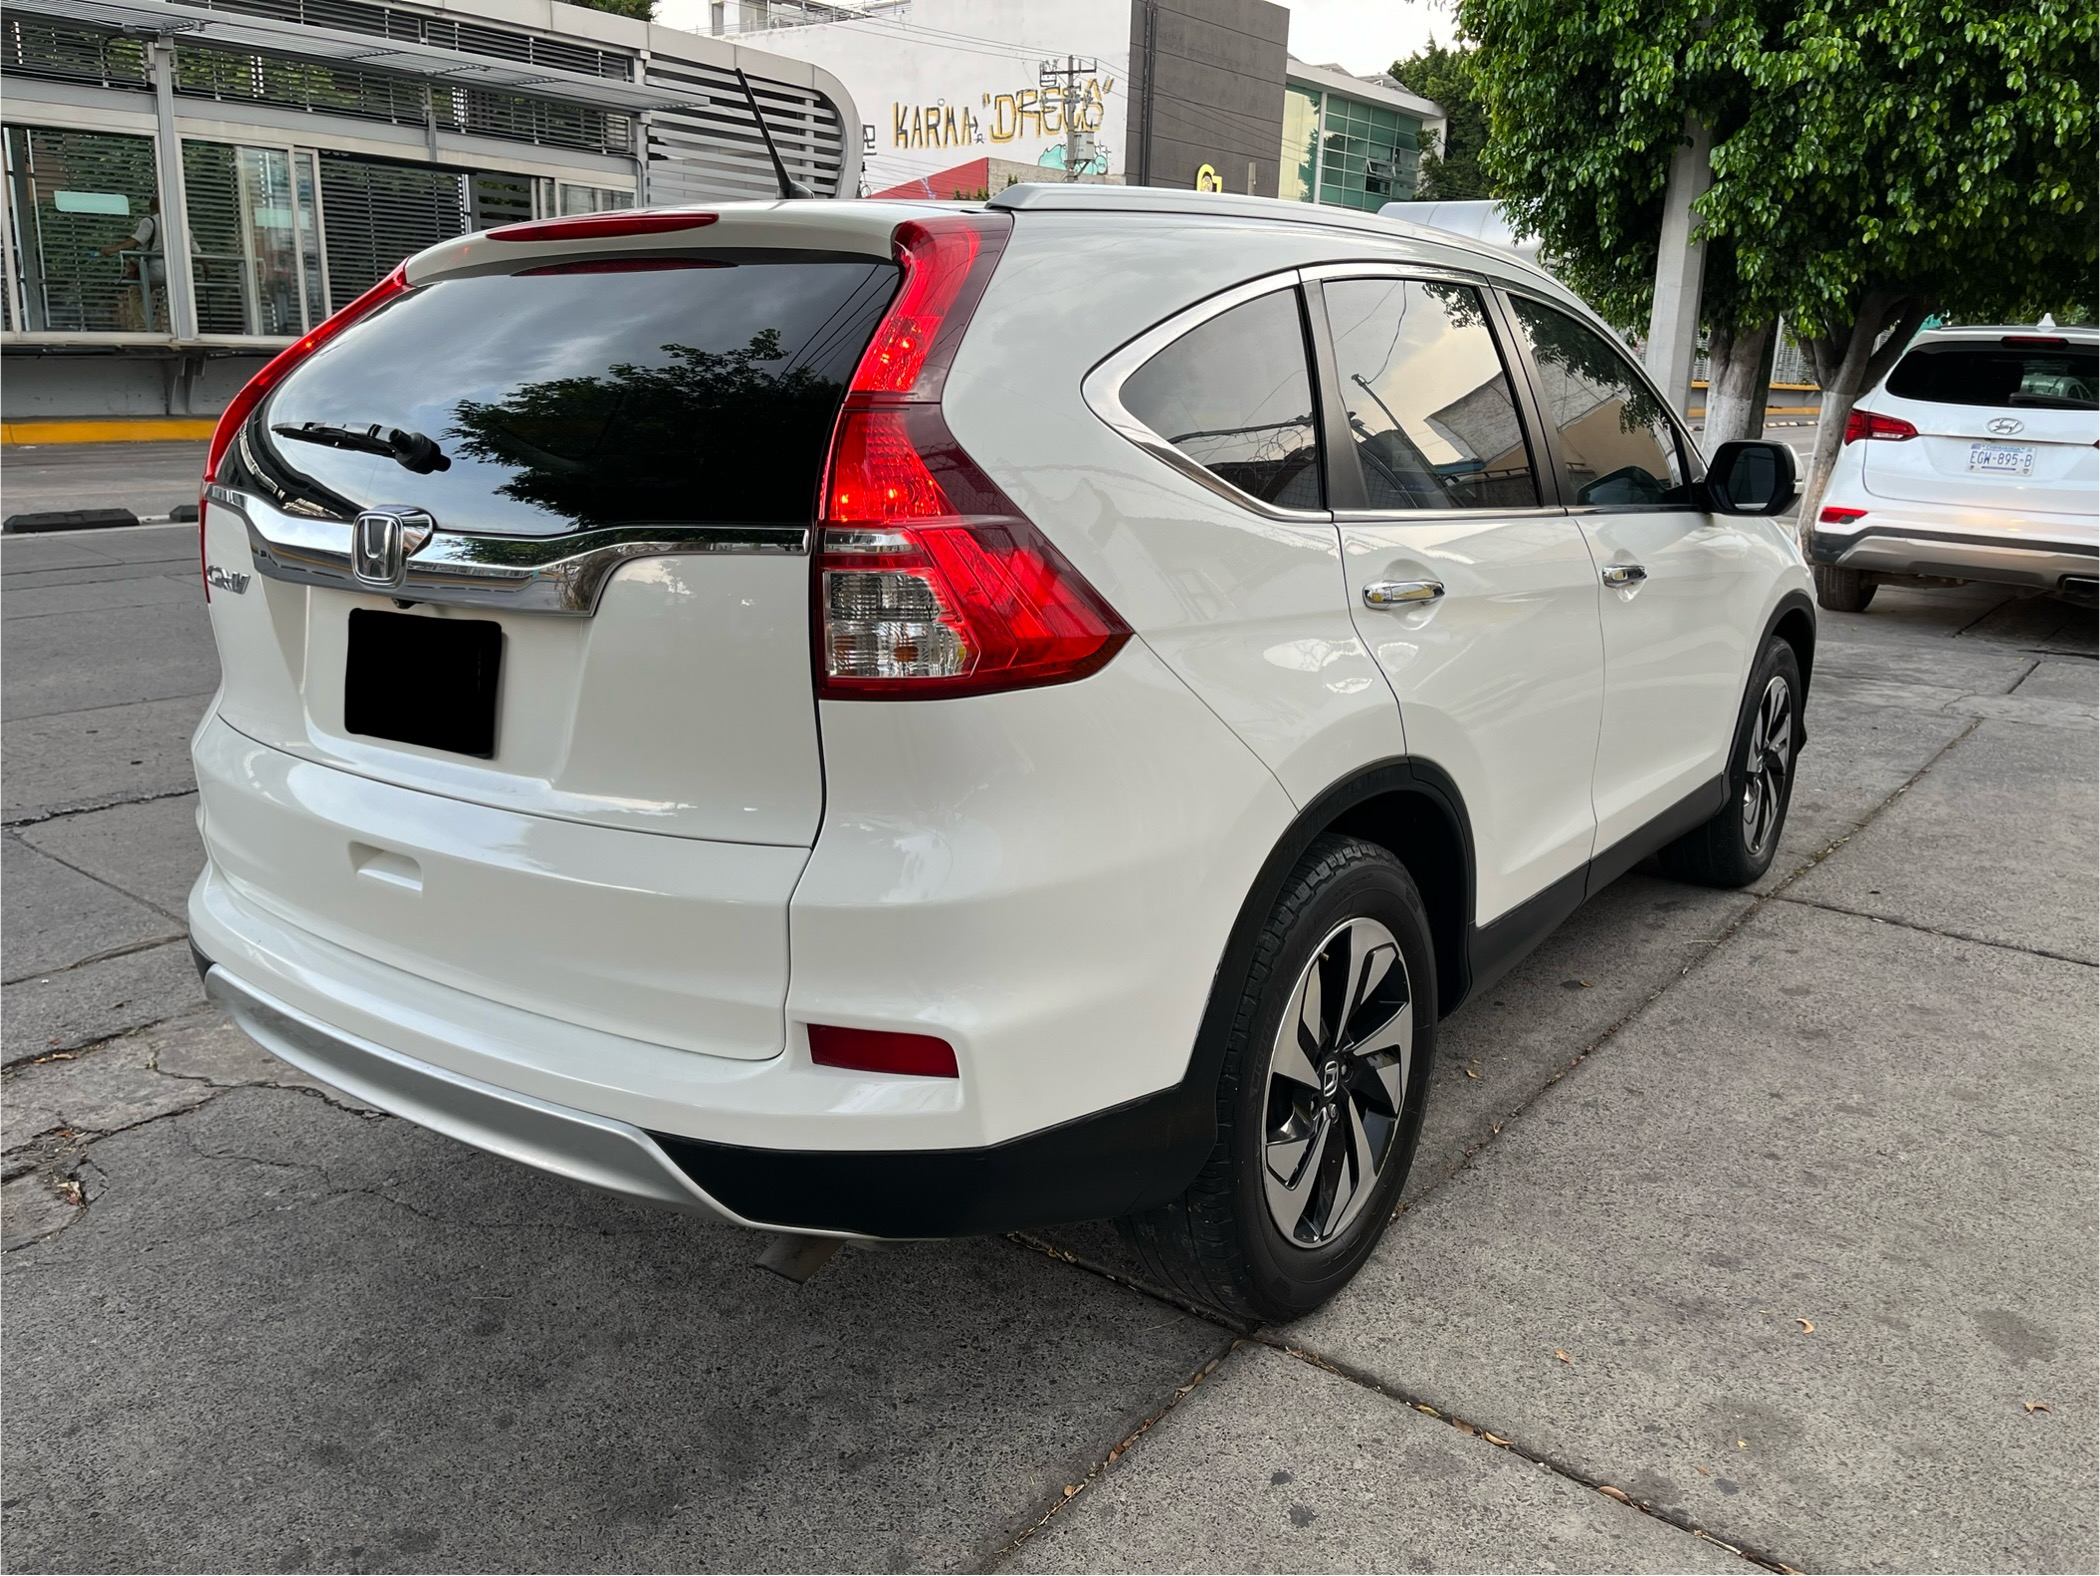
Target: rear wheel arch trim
<point x="1793" y="620"/>
<point x="1328" y="811"/>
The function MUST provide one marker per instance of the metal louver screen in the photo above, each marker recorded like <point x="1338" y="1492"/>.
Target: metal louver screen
<point x="473" y="38"/>
<point x="377" y="214"/>
<point x="212" y="198"/>
<point x="716" y="152"/>
<point x="36" y="48"/>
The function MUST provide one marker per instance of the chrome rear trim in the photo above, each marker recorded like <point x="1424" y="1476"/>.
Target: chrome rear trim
<point x="594" y="1150"/>
<point x="527" y="574"/>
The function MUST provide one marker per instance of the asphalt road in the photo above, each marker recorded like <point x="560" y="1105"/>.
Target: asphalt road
<point x="149" y="479"/>
<point x="1748" y="1229"/>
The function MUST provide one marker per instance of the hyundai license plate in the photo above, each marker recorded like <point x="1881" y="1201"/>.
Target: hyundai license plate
<point x="2001" y="459"/>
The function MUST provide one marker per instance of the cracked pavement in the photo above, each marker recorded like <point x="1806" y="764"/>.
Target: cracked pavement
<point x="1750" y="1230"/>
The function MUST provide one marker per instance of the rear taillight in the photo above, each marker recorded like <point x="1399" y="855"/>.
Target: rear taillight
<point x="930" y="582"/>
<point x="881" y="1051"/>
<point x="274" y="372"/>
<point x="1872" y="424"/>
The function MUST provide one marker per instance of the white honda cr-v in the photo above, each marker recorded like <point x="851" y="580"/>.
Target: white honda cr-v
<point x="885" y="720"/>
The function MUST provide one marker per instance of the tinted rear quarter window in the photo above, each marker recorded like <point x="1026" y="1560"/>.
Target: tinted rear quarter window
<point x="2044" y="377"/>
<point x="620" y="392"/>
<point x="1235" y="395"/>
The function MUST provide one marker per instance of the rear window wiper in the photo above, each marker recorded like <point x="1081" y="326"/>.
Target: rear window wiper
<point x="412" y="450"/>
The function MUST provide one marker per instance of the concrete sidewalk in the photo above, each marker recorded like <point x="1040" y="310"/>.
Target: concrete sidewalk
<point x="1800" y="1181"/>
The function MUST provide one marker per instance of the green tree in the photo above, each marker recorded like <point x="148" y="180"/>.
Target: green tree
<point x="1875" y="161"/>
<point x="1446" y="77"/>
<point x="640" y="10"/>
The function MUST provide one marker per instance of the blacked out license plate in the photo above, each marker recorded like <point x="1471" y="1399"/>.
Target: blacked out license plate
<point x="427" y="681"/>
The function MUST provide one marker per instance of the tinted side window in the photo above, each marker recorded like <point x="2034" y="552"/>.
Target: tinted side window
<point x="1427" y="396"/>
<point x="1235" y="396"/>
<point x="618" y="391"/>
<point x="1616" y="444"/>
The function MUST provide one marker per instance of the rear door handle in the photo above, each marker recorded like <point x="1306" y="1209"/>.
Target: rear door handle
<point x="1402" y="593"/>
<point x="1625" y="575"/>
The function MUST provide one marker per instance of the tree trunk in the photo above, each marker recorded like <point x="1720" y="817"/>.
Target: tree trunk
<point x="1847" y="368"/>
<point x="1739" y="371"/>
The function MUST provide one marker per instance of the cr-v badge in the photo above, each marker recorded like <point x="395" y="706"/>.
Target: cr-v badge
<point x="225" y="580"/>
<point x="381" y="542"/>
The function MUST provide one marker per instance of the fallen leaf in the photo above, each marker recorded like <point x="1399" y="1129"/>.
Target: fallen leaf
<point x="1428" y="1411"/>
<point x="1742" y="1444"/>
<point x="1493" y="1439"/>
<point x="1071" y="1489"/>
<point x="1471" y="1074"/>
<point x="1563" y="1356"/>
<point x="1702" y="1471"/>
<point x="2036" y="1406"/>
<point x="1806" y="1327"/>
<point x="1618" y="1494"/>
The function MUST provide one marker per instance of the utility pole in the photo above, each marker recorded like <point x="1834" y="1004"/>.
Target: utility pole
<point x="1064" y="81"/>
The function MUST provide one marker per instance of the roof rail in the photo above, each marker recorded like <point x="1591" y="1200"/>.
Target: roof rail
<point x="1091" y="197"/>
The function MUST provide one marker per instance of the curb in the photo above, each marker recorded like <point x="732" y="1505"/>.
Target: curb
<point x="136" y="429"/>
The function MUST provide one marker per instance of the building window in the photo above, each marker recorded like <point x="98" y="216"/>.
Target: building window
<point x="593" y="199"/>
<point x="1368" y="154"/>
<point x="86" y="246"/>
<point x="1299" y="168"/>
<point x="255" y="246"/>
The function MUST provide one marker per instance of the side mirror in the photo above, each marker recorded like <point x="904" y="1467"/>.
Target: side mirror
<point x="1751" y="476"/>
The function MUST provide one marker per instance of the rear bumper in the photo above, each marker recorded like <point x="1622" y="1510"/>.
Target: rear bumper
<point x="595" y="1150"/>
<point x="1130" y="1158"/>
<point x="1890" y="544"/>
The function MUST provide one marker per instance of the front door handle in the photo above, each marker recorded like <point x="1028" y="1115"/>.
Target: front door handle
<point x="1625" y="575"/>
<point x="1402" y="593"/>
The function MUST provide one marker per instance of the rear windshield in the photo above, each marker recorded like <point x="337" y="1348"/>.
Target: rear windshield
<point x="2046" y="377"/>
<point x="620" y="392"/>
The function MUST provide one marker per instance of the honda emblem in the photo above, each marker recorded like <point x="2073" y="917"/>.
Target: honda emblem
<point x="381" y="543"/>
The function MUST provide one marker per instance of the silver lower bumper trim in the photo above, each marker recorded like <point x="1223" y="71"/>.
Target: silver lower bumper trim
<point x="595" y="1150"/>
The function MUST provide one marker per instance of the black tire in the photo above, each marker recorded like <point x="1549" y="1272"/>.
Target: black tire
<point x="1842" y="590"/>
<point x="1220" y="1244"/>
<point x="1736" y="846"/>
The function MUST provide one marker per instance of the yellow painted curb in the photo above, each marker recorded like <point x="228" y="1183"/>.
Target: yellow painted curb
<point x="135" y="429"/>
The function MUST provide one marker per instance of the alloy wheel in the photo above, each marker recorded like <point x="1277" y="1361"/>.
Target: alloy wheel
<point x="1765" y="767"/>
<point x="1337" y="1081"/>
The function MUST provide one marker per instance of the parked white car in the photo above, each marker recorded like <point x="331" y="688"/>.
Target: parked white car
<point x="1976" y="458"/>
<point x="893" y="721"/>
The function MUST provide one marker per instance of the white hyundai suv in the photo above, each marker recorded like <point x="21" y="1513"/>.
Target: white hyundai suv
<point x="890" y="721"/>
<point x="1976" y="458"/>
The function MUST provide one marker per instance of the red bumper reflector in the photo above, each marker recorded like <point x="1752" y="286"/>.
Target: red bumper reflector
<point x="879" y="1051"/>
<point x="1836" y="516"/>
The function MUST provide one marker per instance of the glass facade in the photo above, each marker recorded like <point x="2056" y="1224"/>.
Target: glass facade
<point x="1345" y="151"/>
<point x="85" y="252"/>
<point x="255" y="247"/>
<point x="278" y="236"/>
<point x="1299" y="168"/>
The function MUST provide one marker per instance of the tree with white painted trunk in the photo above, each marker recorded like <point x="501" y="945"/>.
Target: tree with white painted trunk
<point x="1874" y="161"/>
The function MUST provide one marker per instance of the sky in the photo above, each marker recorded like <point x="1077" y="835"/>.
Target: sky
<point x="1364" y="36"/>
